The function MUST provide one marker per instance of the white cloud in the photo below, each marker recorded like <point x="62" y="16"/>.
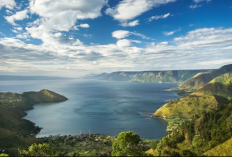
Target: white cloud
<point x="85" y="25"/>
<point x="20" y="15"/>
<point x="88" y="35"/>
<point x="2" y="34"/>
<point x="10" y="4"/>
<point x="124" y="43"/>
<point x="61" y="15"/>
<point x="194" y="6"/>
<point x="63" y="21"/>
<point x="23" y="35"/>
<point x="171" y="32"/>
<point x="140" y="35"/>
<point x="198" y="1"/>
<point x="57" y="34"/>
<point x="156" y="17"/>
<point x="18" y="28"/>
<point x="15" y="31"/>
<point x="129" y="9"/>
<point x="136" y="41"/>
<point x="119" y="34"/>
<point x="65" y="52"/>
<point x="221" y="62"/>
<point x="8" y="12"/>
<point x="198" y="5"/>
<point x="130" y="24"/>
<point x="85" y="8"/>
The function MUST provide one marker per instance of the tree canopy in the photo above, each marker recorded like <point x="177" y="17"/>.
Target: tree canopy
<point x="126" y="144"/>
<point x="38" y="150"/>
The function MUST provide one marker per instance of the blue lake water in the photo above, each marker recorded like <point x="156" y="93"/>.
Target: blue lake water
<point x="102" y="107"/>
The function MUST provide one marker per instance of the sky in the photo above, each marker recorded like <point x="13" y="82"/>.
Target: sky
<point x="73" y="38"/>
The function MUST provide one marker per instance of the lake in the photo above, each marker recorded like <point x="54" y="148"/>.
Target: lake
<point x="102" y="107"/>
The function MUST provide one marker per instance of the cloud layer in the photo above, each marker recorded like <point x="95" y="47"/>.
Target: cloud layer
<point x="197" y="48"/>
<point x="62" y="52"/>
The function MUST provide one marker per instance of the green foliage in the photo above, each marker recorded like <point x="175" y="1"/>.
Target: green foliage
<point x="223" y="149"/>
<point x="4" y="154"/>
<point x="38" y="150"/>
<point x="202" y="133"/>
<point x="154" y="144"/>
<point x="174" y="153"/>
<point x="126" y="144"/>
<point x="182" y="108"/>
<point x="188" y="152"/>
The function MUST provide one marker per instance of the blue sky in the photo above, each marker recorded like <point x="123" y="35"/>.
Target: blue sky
<point x="77" y="37"/>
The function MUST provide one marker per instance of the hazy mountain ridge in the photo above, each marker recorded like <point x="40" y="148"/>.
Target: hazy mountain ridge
<point x="15" y="78"/>
<point x="167" y="76"/>
<point x="94" y="76"/>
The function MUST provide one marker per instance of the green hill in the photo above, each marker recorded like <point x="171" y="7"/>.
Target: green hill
<point x="169" y="76"/>
<point x="217" y="91"/>
<point x="201" y="79"/>
<point x="189" y="106"/>
<point x="43" y="96"/>
<point x="200" y="122"/>
<point x="205" y="133"/>
<point x="14" y="130"/>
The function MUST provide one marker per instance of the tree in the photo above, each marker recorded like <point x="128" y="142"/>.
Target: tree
<point x="38" y="150"/>
<point x="126" y="144"/>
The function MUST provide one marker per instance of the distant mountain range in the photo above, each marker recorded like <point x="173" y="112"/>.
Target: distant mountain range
<point x="94" y="76"/>
<point x="14" y="77"/>
<point x="168" y="76"/>
<point x="209" y="90"/>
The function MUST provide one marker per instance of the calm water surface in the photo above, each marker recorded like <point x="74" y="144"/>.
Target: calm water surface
<point x="99" y="106"/>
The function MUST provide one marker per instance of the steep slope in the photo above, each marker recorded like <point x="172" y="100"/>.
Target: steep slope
<point x="215" y="92"/>
<point x="201" y="79"/>
<point x="189" y="106"/>
<point x="221" y="85"/>
<point x="223" y="149"/>
<point x="171" y="76"/>
<point x="208" y="131"/>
